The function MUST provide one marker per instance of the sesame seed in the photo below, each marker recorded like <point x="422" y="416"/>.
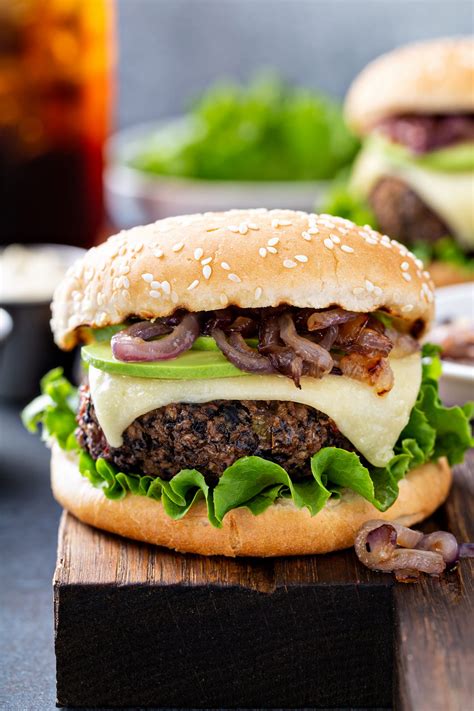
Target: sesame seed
<point x="258" y="292"/>
<point x="342" y="230"/>
<point x="206" y="271"/>
<point x="166" y="286"/>
<point x="289" y="264"/>
<point x="306" y="236"/>
<point x="272" y="250"/>
<point x="262" y="252"/>
<point x="243" y="229"/>
<point x="346" y="248"/>
<point x="285" y="223"/>
<point x="124" y="269"/>
<point x="430" y="297"/>
<point x="419" y="263"/>
<point x="313" y="230"/>
<point x="404" y="266"/>
<point x="406" y="276"/>
<point x="225" y="266"/>
<point x="253" y="226"/>
<point x="176" y="247"/>
<point x="426" y="275"/>
<point x="198" y="253"/>
<point x="378" y="291"/>
<point x="358" y="290"/>
<point x="155" y="285"/>
<point x="137" y="247"/>
<point x="328" y="243"/>
<point x="174" y="297"/>
<point x="407" y="308"/>
<point x="275" y="223"/>
<point x="123" y="250"/>
<point x="335" y="239"/>
<point x="193" y="285"/>
<point x="371" y="240"/>
<point x="223" y="299"/>
<point x="233" y="228"/>
<point x="369" y="286"/>
<point x="147" y="277"/>
<point x="158" y="253"/>
<point x="234" y="277"/>
<point x="155" y="294"/>
<point x="301" y="257"/>
<point x="273" y="241"/>
<point x="208" y="260"/>
<point x="126" y="282"/>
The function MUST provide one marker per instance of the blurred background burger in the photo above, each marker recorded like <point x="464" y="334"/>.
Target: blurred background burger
<point x="414" y="109"/>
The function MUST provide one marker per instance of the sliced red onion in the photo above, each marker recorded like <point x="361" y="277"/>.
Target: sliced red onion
<point x="241" y="355"/>
<point x="332" y="317"/>
<point x="466" y="550"/>
<point x="307" y="350"/>
<point x="133" y="349"/>
<point x="328" y="336"/>
<point x="376" y="547"/>
<point x="269" y="335"/>
<point x="441" y="542"/>
<point x="149" y="329"/>
<point x="407" y="537"/>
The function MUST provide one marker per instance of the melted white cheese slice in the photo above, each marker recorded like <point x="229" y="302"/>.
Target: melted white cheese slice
<point x="371" y="422"/>
<point x="449" y="195"/>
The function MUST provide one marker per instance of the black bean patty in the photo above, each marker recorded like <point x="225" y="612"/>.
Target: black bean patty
<point x="211" y="436"/>
<point x="403" y="215"/>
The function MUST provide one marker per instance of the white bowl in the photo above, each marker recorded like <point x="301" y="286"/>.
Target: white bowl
<point x="457" y="380"/>
<point x="134" y="197"/>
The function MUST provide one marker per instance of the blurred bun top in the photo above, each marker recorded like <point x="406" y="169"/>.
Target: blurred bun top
<point x="427" y="78"/>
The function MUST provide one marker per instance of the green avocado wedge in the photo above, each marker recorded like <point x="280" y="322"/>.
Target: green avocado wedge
<point x="191" y="365"/>
<point x="452" y="159"/>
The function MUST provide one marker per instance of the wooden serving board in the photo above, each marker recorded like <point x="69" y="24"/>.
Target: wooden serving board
<point x="140" y="626"/>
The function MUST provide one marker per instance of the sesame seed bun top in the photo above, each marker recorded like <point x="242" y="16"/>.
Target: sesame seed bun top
<point x="246" y="258"/>
<point x="433" y="77"/>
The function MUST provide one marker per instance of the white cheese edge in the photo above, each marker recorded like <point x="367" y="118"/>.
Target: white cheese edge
<point x="371" y="422"/>
<point x="449" y="195"/>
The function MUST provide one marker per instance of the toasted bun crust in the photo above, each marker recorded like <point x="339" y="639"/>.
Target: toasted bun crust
<point x="426" y="77"/>
<point x="281" y="530"/>
<point x="248" y="258"/>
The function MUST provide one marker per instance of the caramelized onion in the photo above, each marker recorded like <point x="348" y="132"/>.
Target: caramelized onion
<point x="370" y="342"/>
<point x="149" y="329"/>
<point x="349" y="332"/>
<point x="307" y="350"/>
<point x="287" y="362"/>
<point x="374" y="371"/>
<point x="332" y="317"/>
<point x="135" y="349"/>
<point x="403" y="343"/>
<point x="241" y="355"/>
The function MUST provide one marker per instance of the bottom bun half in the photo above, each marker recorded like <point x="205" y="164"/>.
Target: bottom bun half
<point x="281" y="530"/>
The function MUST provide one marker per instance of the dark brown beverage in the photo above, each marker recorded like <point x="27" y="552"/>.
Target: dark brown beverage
<point x="54" y="97"/>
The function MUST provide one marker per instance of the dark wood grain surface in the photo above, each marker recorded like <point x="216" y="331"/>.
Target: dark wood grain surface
<point x="434" y="619"/>
<point x="295" y="632"/>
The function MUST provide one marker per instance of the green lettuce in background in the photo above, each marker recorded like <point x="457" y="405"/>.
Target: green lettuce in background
<point x="432" y="431"/>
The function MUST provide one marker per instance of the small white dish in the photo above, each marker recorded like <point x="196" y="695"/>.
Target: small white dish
<point x="454" y="303"/>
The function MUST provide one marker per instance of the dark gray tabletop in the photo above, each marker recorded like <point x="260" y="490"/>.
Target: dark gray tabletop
<point x="28" y="534"/>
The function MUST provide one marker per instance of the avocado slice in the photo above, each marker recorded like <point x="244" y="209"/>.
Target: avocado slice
<point x="191" y="365"/>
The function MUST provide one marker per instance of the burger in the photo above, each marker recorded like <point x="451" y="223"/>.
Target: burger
<point x="415" y="109"/>
<point x="253" y="385"/>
